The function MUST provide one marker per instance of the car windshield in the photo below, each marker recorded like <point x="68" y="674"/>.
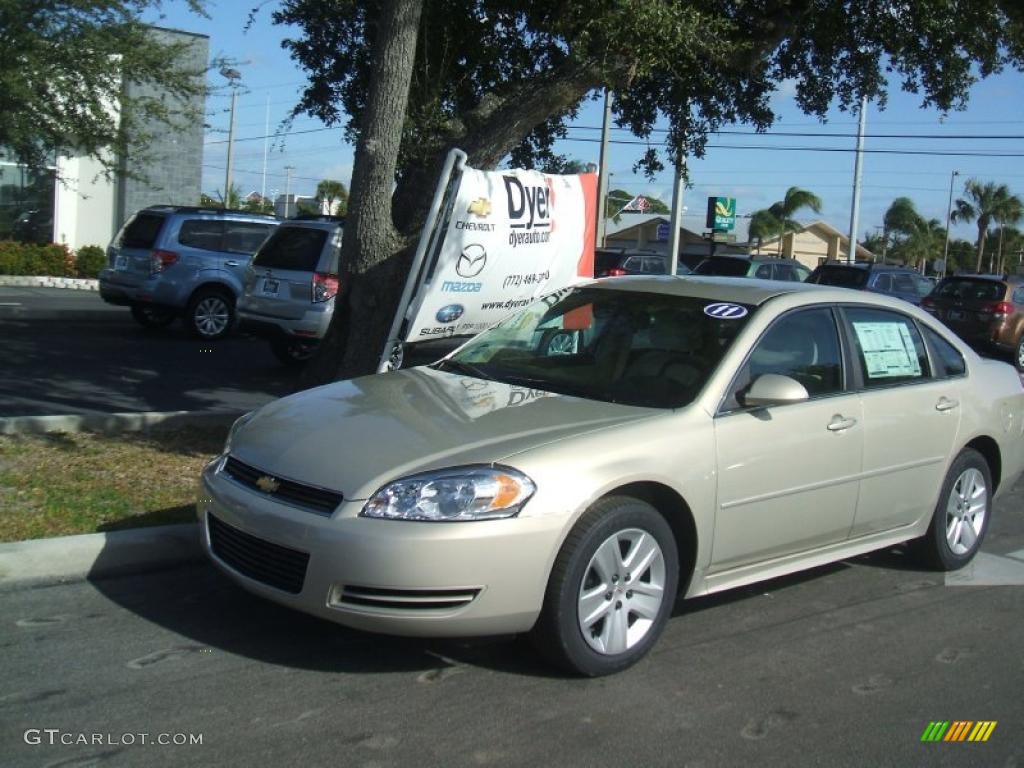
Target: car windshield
<point x="723" y="267"/>
<point x="646" y="349"/>
<point x="842" y="277"/>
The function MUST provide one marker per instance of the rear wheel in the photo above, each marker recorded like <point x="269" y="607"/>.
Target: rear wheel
<point x="148" y="317"/>
<point x="1018" y="354"/>
<point x="292" y="351"/>
<point x="611" y="590"/>
<point x="210" y="314"/>
<point x="961" y="515"/>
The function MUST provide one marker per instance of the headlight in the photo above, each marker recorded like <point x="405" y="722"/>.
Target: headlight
<point x="464" y="493"/>
<point x="239" y="422"/>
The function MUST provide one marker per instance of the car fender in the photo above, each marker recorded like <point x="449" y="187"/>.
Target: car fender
<point x="206" y="277"/>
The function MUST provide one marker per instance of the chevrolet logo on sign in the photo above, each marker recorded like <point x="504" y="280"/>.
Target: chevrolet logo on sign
<point x="480" y="207"/>
<point x="268" y="484"/>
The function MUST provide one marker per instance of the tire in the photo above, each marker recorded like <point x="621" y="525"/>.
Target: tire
<point x="962" y="514"/>
<point x="631" y="619"/>
<point x="293" y="352"/>
<point x="1018" y="355"/>
<point x="210" y="314"/>
<point x="148" y="317"/>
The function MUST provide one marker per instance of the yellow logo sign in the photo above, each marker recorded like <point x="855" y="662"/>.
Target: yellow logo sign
<point x="480" y="207"/>
<point x="268" y="484"/>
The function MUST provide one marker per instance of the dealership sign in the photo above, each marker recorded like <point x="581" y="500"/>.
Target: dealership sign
<point x="496" y="240"/>
<point x="721" y="214"/>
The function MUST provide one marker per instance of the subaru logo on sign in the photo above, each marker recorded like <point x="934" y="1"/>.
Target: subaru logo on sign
<point x="450" y="313"/>
<point x="471" y="261"/>
<point x="723" y="310"/>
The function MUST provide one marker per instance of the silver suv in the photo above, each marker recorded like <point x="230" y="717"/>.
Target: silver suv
<point x="175" y="261"/>
<point x="290" y="286"/>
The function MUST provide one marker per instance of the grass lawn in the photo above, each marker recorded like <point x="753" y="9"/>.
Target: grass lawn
<point x="60" y="484"/>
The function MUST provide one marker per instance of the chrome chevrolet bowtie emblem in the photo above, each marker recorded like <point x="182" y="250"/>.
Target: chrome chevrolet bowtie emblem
<point x="268" y="484"/>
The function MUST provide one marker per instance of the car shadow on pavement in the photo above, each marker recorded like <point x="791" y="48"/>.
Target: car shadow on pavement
<point x="208" y="611"/>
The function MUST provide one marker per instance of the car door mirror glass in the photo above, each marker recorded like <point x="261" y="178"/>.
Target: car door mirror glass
<point x="773" y="389"/>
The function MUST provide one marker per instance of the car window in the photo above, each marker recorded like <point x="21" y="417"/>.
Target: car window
<point x="141" y="231"/>
<point x="904" y="284"/>
<point x="841" y="277"/>
<point x="787" y="272"/>
<point x="634" y="263"/>
<point x="605" y="260"/>
<point x="245" y="236"/>
<point x="922" y="285"/>
<point x="723" y="266"/>
<point x="949" y="361"/>
<point x="883" y="283"/>
<point x="295" y="248"/>
<point x="654" y="266"/>
<point x="802" y="272"/>
<point x="764" y="272"/>
<point x="968" y="289"/>
<point x="202" y="233"/>
<point x="1018" y="295"/>
<point x="803" y="345"/>
<point x="888" y="347"/>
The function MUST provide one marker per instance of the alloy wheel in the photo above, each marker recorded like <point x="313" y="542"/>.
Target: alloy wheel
<point x="211" y="316"/>
<point x="965" y="511"/>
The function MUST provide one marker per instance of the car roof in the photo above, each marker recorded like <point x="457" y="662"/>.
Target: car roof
<point x="315" y="222"/>
<point x="988" y="278"/>
<point x="740" y="289"/>
<point x="207" y="211"/>
<point x="866" y="265"/>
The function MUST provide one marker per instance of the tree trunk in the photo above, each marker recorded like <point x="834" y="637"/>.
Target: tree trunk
<point x="982" y="231"/>
<point x="371" y="274"/>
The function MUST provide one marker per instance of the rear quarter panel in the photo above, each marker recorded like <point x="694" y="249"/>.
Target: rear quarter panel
<point x="994" y="407"/>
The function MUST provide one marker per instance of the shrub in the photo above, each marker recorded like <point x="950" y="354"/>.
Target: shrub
<point x="51" y="260"/>
<point x="89" y="260"/>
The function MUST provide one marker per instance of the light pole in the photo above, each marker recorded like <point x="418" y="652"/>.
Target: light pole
<point x="949" y="214"/>
<point x="855" y="208"/>
<point x="233" y="76"/>
<point x="288" y="190"/>
<point x="603" y="177"/>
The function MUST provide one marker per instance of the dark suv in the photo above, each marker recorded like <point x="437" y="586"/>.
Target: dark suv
<point x="169" y="261"/>
<point x="986" y="311"/>
<point x="614" y="262"/>
<point x="901" y="282"/>
<point x="751" y="266"/>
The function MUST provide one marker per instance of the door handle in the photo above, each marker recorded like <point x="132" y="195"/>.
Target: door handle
<point x="840" y="423"/>
<point x="231" y="263"/>
<point x="945" y="404"/>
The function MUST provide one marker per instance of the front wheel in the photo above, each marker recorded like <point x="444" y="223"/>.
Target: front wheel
<point x="1018" y="355"/>
<point x="962" y="514"/>
<point x="611" y="589"/>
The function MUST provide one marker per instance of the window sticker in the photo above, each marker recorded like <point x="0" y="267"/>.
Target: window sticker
<point x="725" y="311"/>
<point x="888" y="350"/>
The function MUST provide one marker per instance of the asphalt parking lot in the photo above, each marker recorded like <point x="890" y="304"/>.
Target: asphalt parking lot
<point x="845" y="665"/>
<point x="67" y="352"/>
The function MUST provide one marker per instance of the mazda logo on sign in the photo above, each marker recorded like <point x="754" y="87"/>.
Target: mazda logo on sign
<point x="471" y="261"/>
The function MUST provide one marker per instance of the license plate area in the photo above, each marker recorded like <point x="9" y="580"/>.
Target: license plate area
<point x="270" y="286"/>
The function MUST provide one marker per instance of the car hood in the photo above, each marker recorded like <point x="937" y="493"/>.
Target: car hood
<point x="354" y="436"/>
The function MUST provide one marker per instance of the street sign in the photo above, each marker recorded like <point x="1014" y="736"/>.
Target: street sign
<point x="663" y="232"/>
<point x="721" y="213"/>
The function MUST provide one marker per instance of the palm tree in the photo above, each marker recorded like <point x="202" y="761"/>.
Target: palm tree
<point x="783" y="211"/>
<point x="763" y="224"/>
<point x="1011" y="213"/>
<point x="901" y="217"/>
<point x="985" y="203"/>
<point x="233" y="200"/>
<point x="329" y="190"/>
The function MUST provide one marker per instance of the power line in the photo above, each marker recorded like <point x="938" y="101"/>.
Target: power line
<point x="829" y="135"/>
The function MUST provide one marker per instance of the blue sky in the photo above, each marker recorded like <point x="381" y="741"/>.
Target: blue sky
<point x="750" y="168"/>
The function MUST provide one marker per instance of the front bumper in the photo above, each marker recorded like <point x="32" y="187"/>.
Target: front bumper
<point x="394" y="577"/>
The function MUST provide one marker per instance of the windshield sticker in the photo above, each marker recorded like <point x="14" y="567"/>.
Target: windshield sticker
<point x="725" y="311"/>
<point x="888" y="350"/>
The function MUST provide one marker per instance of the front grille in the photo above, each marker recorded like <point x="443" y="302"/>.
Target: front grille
<point x="411" y="600"/>
<point x="258" y="559"/>
<point x="308" y="497"/>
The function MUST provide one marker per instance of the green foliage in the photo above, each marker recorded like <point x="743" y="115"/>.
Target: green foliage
<point x="233" y="201"/>
<point x="89" y="260"/>
<point x="258" y="205"/>
<point x="986" y="204"/>
<point x="51" y="260"/>
<point x="61" y="72"/>
<point x="329" y="191"/>
<point x="777" y="219"/>
<point x="306" y="208"/>
<point x="501" y="78"/>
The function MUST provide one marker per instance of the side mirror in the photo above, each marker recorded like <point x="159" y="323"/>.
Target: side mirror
<point x="773" y="389"/>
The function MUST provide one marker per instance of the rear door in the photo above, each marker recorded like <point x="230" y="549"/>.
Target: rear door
<point x="280" y="283"/>
<point x="130" y="253"/>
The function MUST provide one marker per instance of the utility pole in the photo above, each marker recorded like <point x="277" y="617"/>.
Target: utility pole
<point x="288" y="191"/>
<point x="266" y="138"/>
<point x="233" y="76"/>
<point x="855" y="208"/>
<point x="949" y="215"/>
<point x="677" y="217"/>
<point x="602" y="183"/>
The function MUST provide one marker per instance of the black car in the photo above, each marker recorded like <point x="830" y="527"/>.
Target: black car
<point x="752" y="266"/>
<point x="614" y="262"/>
<point x="901" y="282"/>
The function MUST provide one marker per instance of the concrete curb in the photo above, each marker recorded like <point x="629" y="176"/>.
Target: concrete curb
<point x="98" y="555"/>
<point x="74" y="283"/>
<point x="112" y="423"/>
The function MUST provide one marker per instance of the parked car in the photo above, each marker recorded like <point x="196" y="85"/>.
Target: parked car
<point x="753" y="266"/>
<point x="986" y="311"/>
<point x="901" y="282"/>
<point x="685" y="436"/>
<point x="616" y="262"/>
<point x="178" y="261"/>
<point x="291" y="284"/>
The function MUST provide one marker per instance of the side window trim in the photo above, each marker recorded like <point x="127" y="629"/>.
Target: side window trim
<point x="926" y="332"/>
<point x="844" y="358"/>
